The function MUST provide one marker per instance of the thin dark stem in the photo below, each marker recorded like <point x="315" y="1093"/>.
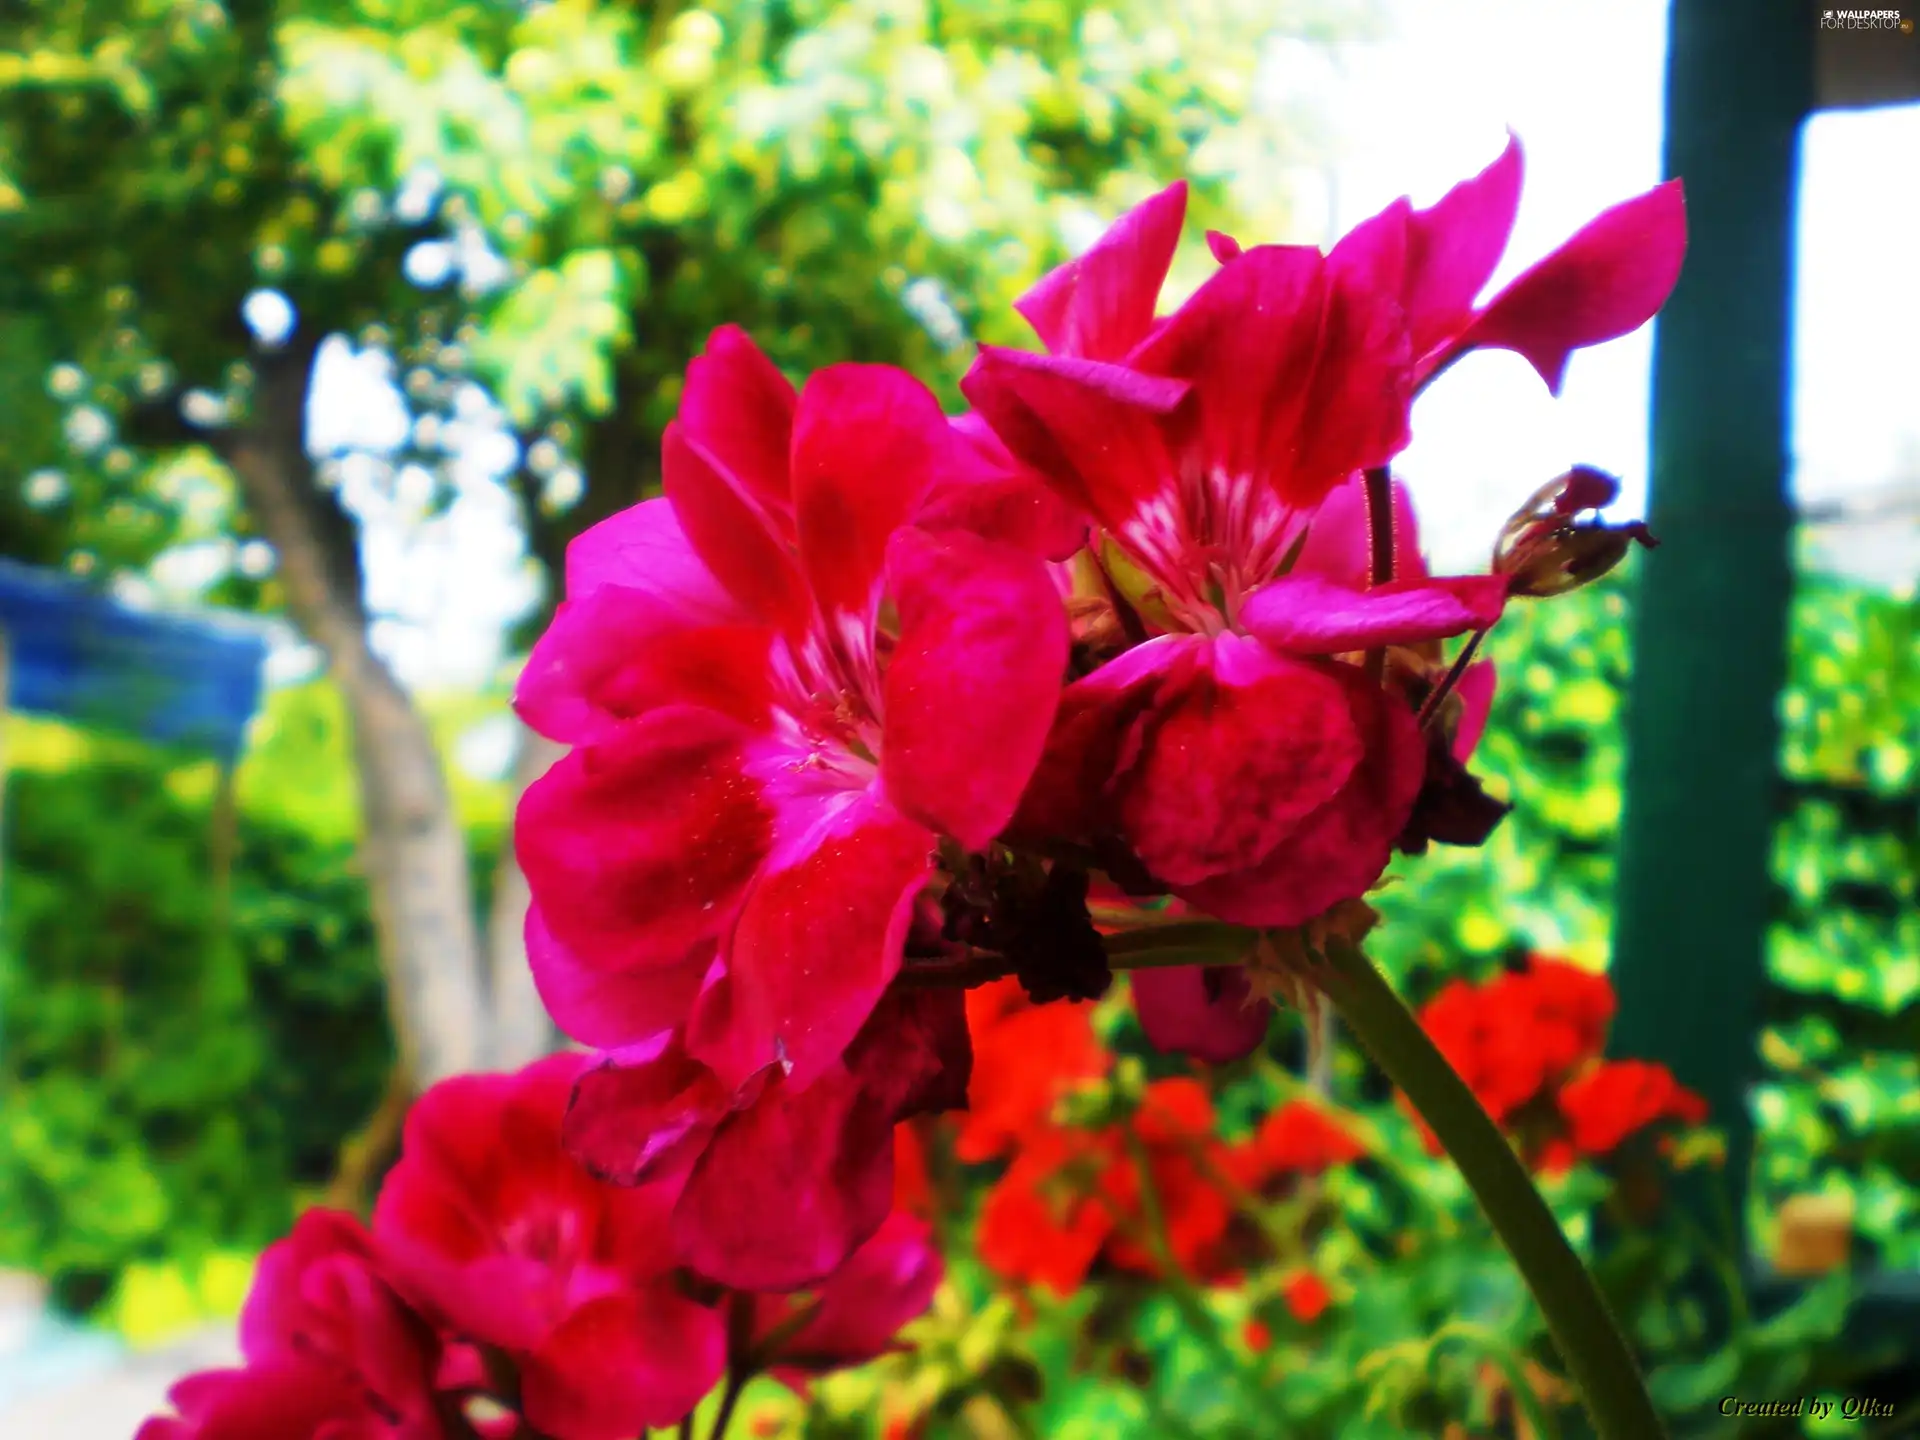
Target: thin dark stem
<point x="1380" y="545"/>
<point x="736" y="1382"/>
<point x="686" y="1426"/>
<point x="1430" y="707"/>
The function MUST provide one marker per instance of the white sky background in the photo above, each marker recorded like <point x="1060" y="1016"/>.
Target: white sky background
<point x="1580" y="82"/>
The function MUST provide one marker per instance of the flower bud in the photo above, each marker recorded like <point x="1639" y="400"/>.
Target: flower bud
<point x="1544" y="550"/>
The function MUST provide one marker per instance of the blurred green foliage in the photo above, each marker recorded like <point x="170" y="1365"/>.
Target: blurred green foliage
<point x="185" y="1041"/>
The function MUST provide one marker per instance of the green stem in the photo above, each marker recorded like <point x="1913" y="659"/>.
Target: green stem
<point x="1589" y="1339"/>
<point x="1179" y="942"/>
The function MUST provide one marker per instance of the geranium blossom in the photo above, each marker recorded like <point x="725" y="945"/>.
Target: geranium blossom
<point x="785" y="693"/>
<point x="507" y="1242"/>
<point x="1529" y="1042"/>
<point x="1202" y="445"/>
<point x="332" y="1352"/>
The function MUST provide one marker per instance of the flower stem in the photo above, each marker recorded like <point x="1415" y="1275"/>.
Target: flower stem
<point x="1584" y="1330"/>
<point x="1379" y="483"/>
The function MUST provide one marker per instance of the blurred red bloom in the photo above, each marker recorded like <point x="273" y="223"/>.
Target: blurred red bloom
<point x="1296" y="1139"/>
<point x="332" y="1352"/>
<point x="1307" y="1297"/>
<point x="1529" y="1045"/>
<point x="509" y="1243"/>
<point x="1073" y="1196"/>
<point x="1621" y="1098"/>
<point x="1025" y="1057"/>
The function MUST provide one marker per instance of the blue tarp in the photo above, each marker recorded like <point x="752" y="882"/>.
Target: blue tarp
<point x="77" y="655"/>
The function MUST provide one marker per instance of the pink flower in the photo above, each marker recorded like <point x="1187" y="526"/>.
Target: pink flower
<point x="1219" y="453"/>
<point x="332" y="1352"/>
<point x="788" y="682"/>
<point x="509" y="1244"/>
<point x="854" y="1315"/>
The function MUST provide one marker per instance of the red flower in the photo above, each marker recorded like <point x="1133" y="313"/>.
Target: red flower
<point x="1026" y="1057"/>
<point x="1072" y="1196"/>
<point x="785" y="690"/>
<point x="1202" y="446"/>
<point x="1296" y="1139"/>
<point x="331" y="1352"/>
<point x="1620" y="1098"/>
<point x="1307" y="1297"/>
<point x="1258" y="1336"/>
<point x="1517" y="1036"/>
<point x="507" y="1241"/>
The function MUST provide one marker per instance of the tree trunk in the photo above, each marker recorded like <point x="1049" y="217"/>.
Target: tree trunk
<point x="412" y="845"/>
<point x="522" y="1033"/>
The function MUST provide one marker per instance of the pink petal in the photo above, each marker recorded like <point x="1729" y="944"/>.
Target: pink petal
<point x="640" y="1114"/>
<point x="623" y="1364"/>
<point x="789" y="1187"/>
<point x="1207" y="1012"/>
<point x="738" y="409"/>
<point x="820" y="939"/>
<point x="1242" y="753"/>
<point x="640" y="848"/>
<point x="1455" y="246"/>
<point x="868" y="443"/>
<point x="1101" y="304"/>
<point x="643" y="548"/>
<point x="1356" y="413"/>
<point x="735" y="538"/>
<point x="1094" y="430"/>
<point x="613" y="656"/>
<point x="1308" y="615"/>
<point x="1096" y="740"/>
<point x="1607" y="281"/>
<point x="989" y="493"/>
<point x="973" y="682"/>
<point x="1224" y="247"/>
<point x="885" y="1283"/>
<point x="1339" y="851"/>
<point x="1475" y="690"/>
<point x="610" y="1006"/>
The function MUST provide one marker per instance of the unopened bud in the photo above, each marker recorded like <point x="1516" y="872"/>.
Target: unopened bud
<point x="1545" y="550"/>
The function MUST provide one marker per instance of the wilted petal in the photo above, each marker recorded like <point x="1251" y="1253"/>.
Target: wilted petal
<point x="1207" y="1012"/>
<point x="1251" y="723"/>
<point x="1308" y="615"/>
<point x="1475" y="689"/>
<point x="868" y="443"/>
<point x="1607" y="281"/>
<point x="1101" y="305"/>
<point x="973" y="683"/>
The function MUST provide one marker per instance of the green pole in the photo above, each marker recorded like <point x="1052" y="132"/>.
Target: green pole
<point x="1710" y="620"/>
